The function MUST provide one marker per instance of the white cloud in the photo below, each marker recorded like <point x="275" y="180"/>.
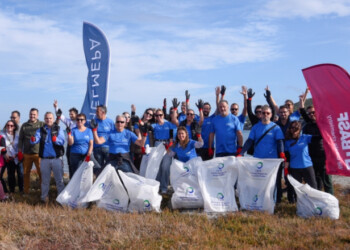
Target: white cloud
<point x="305" y="8"/>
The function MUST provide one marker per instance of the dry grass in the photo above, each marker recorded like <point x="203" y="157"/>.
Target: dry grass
<point x="24" y="223"/>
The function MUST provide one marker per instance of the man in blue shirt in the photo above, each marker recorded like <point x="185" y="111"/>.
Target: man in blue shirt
<point x="227" y="129"/>
<point x="51" y="140"/>
<point x="267" y="145"/>
<point x="104" y="127"/>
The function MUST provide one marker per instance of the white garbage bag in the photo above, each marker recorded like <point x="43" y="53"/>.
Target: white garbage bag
<point x="184" y="180"/>
<point x="216" y="179"/>
<point x="314" y="203"/>
<point x="108" y="191"/>
<point x="256" y="183"/>
<point x="77" y="187"/>
<point x="144" y="161"/>
<point x="154" y="159"/>
<point x="143" y="192"/>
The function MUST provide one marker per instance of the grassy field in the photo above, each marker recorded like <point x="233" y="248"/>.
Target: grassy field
<point x="25" y="223"/>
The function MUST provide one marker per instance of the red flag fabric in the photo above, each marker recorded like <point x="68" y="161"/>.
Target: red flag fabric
<point x="329" y="85"/>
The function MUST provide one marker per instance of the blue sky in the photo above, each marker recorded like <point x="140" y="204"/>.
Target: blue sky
<point x="161" y="48"/>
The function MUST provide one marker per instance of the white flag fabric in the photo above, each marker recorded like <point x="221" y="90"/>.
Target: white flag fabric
<point x="184" y="180"/>
<point x="216" y="179"/>
<point x="77" y="187"/>
<point x="256" y="183"/>
<point x="154" y="159"/>
<point x="314" y="203"/>
<point x="143" y="192"/>
<point x="108" y="191"/>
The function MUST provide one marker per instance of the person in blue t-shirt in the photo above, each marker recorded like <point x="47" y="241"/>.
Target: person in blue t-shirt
<point x="299" y="162"/>
<point x="81" y="141"/>
<point x="105" y="126"/>
<point x="206" y="126"/>
<point x="228" y="133"/>
<point x="119" y="141"/>
<point x="185" y="148"/>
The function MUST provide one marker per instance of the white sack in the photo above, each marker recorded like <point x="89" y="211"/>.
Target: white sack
<point x="184" y="180"/>
<point x="256" y="183"/>
<point x="77" y="187"/>
<point x="144" y="161"/>
<point x="108" y="191"/>
<point x="216" y="179"/>
<point x="312" y="202"/>
<point x="154" y="160"/>
<point x="143" y="192"/>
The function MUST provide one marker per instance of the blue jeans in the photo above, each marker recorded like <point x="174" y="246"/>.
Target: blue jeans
<point x="56" y="166"/>
<point x="77" y="159"/>
<point x="101" y="155"/>
<point x="125" y="166"/>
<point x="163" y="175"/>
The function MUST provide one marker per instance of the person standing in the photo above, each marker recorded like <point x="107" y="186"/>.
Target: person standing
<point x="316" y="149"/>
<point x="227" y="129"/>
<point x="11" y="161"/>
<point x="50" y="139"/>
<point x="28" y="152"/>
<point x="267" y="138"/>
<point x="104" y="126"/>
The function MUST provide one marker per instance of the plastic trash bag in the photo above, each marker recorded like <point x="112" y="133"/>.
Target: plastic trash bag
<point x="108" y="191"/>
<point x="143" y="192"/>
<point x="216" y="179"/>
<point x="256" y="183"/>
<point x="77" y="187"/>
<point x="154" y="159"/>
<point x="314" y="203"/>
<point x="184" y="180"/>
<point x="144" y="161"/>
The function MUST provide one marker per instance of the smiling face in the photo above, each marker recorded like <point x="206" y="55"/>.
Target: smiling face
<point x="266" y="115"/>
<point x="33" y="116"/>
<point x="223" y="108"/>
<point x="206" y="110"/>
<point x="181" y="135"/>
<point x="284" y="113"/>
<point x="190" y="116"/>
<point x="159" y="116"/>
<point x="120" y="123"/>
<point x="234" y="109"/>
<point x="311" y="113"/>
<point x="49" y="119"/>
<point x="10" y="127"/>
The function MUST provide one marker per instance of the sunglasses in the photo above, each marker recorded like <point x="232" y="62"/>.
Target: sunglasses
<point x="190" y="114"/>
<point x="311" y="113"/>
<point x="233" y="109"/>
<point x="258" y="112"/>
<point x="80" y="120"/>
<point x="9" y="125"/>
<point x="294" y="128"/>
<point x="149" y="114"/>
<point x="266" y="113"/>
<point x="13" y="117"/>
<point x="160" y="115"/>
<point x="120" y="122"/>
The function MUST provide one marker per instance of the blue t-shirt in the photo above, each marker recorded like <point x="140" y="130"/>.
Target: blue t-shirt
<point x="225" y="129"/>
<point x="119" y="142"/>
<point x="295" y="116"/>
<point x="299" y="152"/>
<point x="185" y="154"/>
<point x="206" y="128"/>
<point x="161" y="132"/>
<point x="267" y="147"/>
<point x="81" y="141"/>
<point x="104" y="128"/>
<point x="242" y="119"/>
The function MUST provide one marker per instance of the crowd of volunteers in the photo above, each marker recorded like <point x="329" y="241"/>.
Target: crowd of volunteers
<point x="276" y="132"/>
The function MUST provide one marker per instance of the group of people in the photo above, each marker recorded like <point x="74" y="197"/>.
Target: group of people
<point x="276" y="132"/>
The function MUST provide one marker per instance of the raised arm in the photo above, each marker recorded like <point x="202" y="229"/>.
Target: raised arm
<point x="200" y="109"/>
<point x="252" y="117"/>
<point x="173" y="115"/>
<point x="244" y="93"/>
<point x="269" y="99"/>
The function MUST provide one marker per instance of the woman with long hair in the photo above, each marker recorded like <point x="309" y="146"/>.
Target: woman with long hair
<point x="81" y="141"/>
<point x="184" y="147"/>
<point x="299" y="162"/>
<point x="10" y="158"/>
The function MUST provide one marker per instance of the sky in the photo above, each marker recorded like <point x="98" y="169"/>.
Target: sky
<point x="159" y="49"/>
